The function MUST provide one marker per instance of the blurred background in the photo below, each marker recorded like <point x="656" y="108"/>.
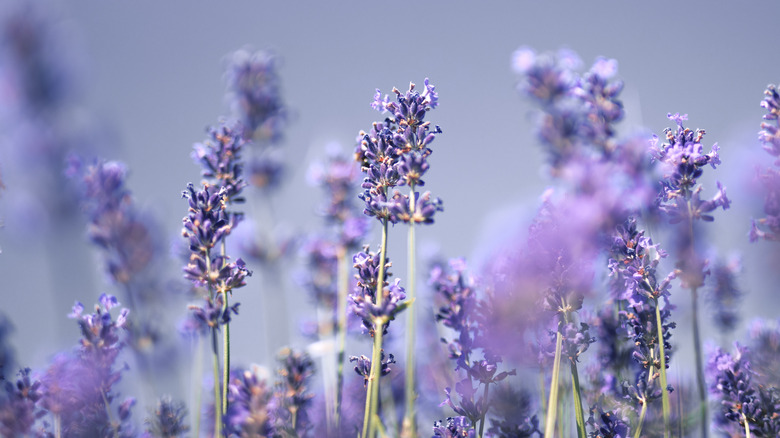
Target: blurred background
<point x="140" y="82"/>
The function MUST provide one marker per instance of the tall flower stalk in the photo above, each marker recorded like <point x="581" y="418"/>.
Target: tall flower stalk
<point x="683" y="159"/>
<point x="413" y="135"/>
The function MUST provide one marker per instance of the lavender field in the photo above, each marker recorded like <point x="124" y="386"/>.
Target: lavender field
<point x="389" y="220"/>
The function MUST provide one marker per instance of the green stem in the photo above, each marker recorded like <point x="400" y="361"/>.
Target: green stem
<point x="579" y="413"/>
<point x="699" y="368"/>
<point x="410" y="423"/>
<point x="197" y="375"/>
<point x="114" y="425"/>
<point x="552" y="403"/>
<point x="217" y="401"/>
<point x="662" y="369"/>
<point x="225" y="343"/>
<point x="637" y="433"/>
<point x="482" y="420"/>
<point x="341" y="328"/>
<point x="747" y="426"/>
<point x="215" y="355"/>
<point x="369" y="425"/>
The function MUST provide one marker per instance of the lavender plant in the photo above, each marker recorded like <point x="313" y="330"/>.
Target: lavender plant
<point x="683" y="160"/>
<point x="412" y="135"/>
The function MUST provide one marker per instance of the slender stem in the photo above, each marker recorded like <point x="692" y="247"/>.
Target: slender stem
<point x="541" y="387"/>
<point x="215" y="355"/>
<point x="198" y="388"/>
<point x="552" y="403"/>
<point x="699" y="368"/>
<point x="410" y="423"/>
<point x="225" y="343"/>
<point x="114" y="425"/>
<point x="341" y="328"/>
<point x="482" y="420"/>
<point x="57" y="426"/>
<point x="225" y="358"/>
<point x="579" y="413"/>
<point x="696" y="337"/>
<point x="637" y="433"/>
<point x="217" y="401"/>
<point x="369" y="425"/>
<point x="747" y="426"/>
<point x="662" y="369"/>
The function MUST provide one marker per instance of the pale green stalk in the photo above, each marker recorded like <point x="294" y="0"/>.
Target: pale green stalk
<point x="482" y="420"/>
<point x="369" y="425"/>
<point x="57" y="426"/>
<point x="111" y="421"/>
<point x="197" y="374"/>
<point x="747" y="426"/>
<point x="701" y="386"/>
<point x="410" y="422"/>
<point x="341" y="328"/>
<point x="215" y="362"/>
<point x="552" y="403"/>
<point x="637" y="433"/>
<point x="579" y="413"/>
<point x="225" y="344"/>
<point x="662" y="369"/>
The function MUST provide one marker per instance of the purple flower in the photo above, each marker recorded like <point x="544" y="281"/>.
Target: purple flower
<point x="683" y="160"/>
<point x="248" y="405"/>
<point x="725" y="295"/>
<point x="292" y="395"/>
<point x="768" y="227"/>
<point x="363" y="365"/>
<point x="424" y="208"/>
<point x="607" y="424"/>
<point x="457" y="427"/>
<point x="167" y="420"/>
<point x="741" y="401"/>
<point x="18" y="410"/>
<point x="220" y="157"/>
<point x="255" y="96"/>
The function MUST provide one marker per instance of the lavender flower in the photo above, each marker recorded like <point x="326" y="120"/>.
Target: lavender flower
<point x="578" y="110"/>
<point x="78" y="390"/>
<point x="363" y="365"/>
<point x="255" y="94"/>
<point x="220" y="157"/>
<point x="743" y="405"/>
<point x="363" y="296"/>
<point x="249" y="413"/>
<point x="455" y="427"/>
<point x="512" y="413"/>
<point x="725" y="295"/>
<point x="167" y="420"/>
<point x="395" y="153"/>
<point x="292" y="393"/>
<point x="607" y="424"/>
<point x="18" y="410"/>
<point x="768" y="227"/>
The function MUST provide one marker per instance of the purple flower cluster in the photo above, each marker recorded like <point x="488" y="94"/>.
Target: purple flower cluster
<point x="18" y="411"/>
<point x="78" y="389"/>
<point x="633" y="263"/>
<point x="743" y="403"/>
<point x="167" y="420"/>
<point x="578" y="110"/>
<point x="683" y="160"/>
<point x="768" y="227"/>
<point x="460" y="311"/>
<point x="725" y="295"/>
<point x="255" y="94"/>
<point x="220" y="157"/>
<point x="254" y="409"/>
<point x="255" y="97"/>
<point x="363" y="296"/>
<point x="395" y="153"/>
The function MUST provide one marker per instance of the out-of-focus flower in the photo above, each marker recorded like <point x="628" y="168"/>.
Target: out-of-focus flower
<point x="167" y="420"/>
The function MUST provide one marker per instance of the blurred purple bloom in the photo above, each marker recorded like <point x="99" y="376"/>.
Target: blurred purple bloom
<point x="607" y="424"/>
<point x="741" y="401"/>
<point x="363" y="365"/>
<point x="18" y="410"/>
<point x="167" y="420"/>
<point x="220" y="157"/>
<point x="457" y="427"/>
<point x="768" y="227"/>
<point x="248" y="412"/>
<point x="255" y="94"/>
<point x="292" y="393"/>
<point x="725" y="295"/>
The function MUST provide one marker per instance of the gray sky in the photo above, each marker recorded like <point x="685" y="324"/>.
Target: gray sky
<point x="152" y="73"/>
